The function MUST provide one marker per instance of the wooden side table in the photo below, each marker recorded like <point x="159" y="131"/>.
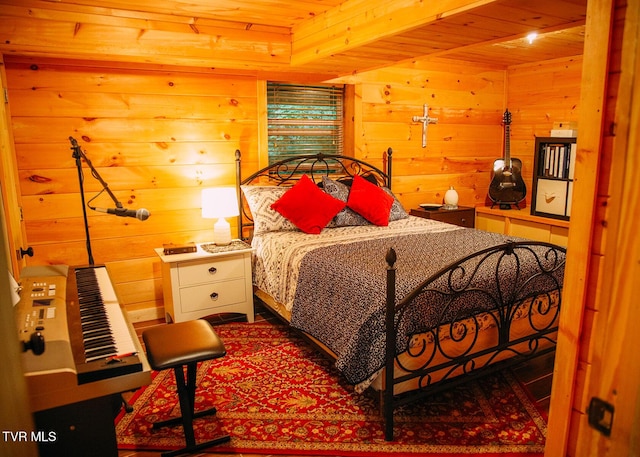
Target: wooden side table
<point x="212" y="280"/>
<point x="463" y="216"/>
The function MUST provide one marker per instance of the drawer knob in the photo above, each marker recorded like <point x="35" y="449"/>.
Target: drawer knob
<point x="214" y="296"/>
<point x="213" y="270"/>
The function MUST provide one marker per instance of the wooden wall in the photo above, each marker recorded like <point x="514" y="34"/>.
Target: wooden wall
<point x="541" y="96"/>
<point x="468" y="101"/>
<point x="158" y="136"/>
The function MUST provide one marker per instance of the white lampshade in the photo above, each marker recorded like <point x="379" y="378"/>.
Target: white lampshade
<point x="218" y="203"/>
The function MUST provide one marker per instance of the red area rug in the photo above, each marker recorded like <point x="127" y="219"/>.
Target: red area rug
<point x="277" y="395"/>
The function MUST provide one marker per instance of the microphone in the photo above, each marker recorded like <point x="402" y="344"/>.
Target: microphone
<point x="141" y="214"/>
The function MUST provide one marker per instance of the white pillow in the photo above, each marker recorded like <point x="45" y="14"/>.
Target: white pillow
<point x="266" y="219"/>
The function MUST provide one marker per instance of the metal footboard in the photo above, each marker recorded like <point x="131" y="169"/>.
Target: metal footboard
<point x="516" y="280"/>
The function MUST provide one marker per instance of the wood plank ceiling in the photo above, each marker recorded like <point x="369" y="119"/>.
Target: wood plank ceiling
<point x="338" y="37"/>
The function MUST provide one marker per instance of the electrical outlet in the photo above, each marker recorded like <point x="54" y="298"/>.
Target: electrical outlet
<point x="600" y="415"/>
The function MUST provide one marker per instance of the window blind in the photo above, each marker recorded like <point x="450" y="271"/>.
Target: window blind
<point x="304" y="119"/>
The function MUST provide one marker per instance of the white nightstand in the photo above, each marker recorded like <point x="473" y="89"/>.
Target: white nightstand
<point x="212" y="280"/>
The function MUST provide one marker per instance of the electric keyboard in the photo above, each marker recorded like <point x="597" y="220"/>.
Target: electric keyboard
<point x="91" y="349"/>
<point x="107" y="347"/>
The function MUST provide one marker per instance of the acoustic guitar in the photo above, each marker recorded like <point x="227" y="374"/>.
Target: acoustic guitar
<point x="507" y="187"/>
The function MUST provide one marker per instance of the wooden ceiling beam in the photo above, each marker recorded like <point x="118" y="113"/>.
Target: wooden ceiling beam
<point x="356" y="23"/>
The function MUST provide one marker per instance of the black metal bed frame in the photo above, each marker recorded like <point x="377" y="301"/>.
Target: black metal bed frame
<point x="288" y="171"/>
<point x="454" y="282"/>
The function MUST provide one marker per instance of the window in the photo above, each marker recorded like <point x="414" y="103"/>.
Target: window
<point x="304" y="119"/>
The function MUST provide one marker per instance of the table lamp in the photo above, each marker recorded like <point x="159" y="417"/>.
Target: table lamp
<point x="220" y="203"/>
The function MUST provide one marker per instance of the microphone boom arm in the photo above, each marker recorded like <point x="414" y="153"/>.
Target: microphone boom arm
<point x="78" y="154"/>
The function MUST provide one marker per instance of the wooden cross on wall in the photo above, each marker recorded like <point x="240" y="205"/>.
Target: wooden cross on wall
<point x="426" y="120"/>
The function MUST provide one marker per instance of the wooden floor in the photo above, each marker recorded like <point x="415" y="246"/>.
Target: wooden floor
<point x="535" y="375"/>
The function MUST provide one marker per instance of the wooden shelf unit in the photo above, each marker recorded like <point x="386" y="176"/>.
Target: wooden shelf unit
<point x="520" y="223"/>
<point x="554" y="162"/>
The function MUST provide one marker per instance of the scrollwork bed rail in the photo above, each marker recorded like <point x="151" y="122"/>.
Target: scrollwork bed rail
<point x="531" y="295"/>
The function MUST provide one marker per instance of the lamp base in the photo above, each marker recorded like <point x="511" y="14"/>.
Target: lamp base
<point x="222" y="232"/>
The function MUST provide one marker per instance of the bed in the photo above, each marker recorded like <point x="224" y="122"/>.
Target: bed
<point x="405" y="306"/>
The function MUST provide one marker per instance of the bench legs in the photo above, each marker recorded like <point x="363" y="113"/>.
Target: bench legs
<point x="187" y="394"/>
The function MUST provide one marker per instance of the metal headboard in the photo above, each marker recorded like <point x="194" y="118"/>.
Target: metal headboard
<point x="288" y="171"/>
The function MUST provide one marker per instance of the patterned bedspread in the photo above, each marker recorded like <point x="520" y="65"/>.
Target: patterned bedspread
<point x="278" y="255"/>
<point x="335" y="284"/>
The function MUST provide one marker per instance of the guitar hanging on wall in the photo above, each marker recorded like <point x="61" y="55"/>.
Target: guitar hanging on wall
<point x="507" y="187"/>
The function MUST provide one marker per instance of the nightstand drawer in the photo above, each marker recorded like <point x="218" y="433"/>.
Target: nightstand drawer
<point x="461" y="218"/>
<point x="464" y="216"/>
<point x="211" y="296"/>
<point x="208" y="271"/>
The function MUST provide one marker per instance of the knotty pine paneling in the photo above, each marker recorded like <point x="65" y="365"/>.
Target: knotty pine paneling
<point x="63" y="205"/>
<point x="468" y="101"/>
<point x="93" y="34"/>
<point x="49" y="180"/>
<point x="157" y="137"/>
<point x="40" y="155"/>
<point x="540" y="96"/>
<point x="119" y="78"/>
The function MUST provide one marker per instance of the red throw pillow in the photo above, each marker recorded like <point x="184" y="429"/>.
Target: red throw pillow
<point x="370" y="201"/>
<point x="308" y="207"/>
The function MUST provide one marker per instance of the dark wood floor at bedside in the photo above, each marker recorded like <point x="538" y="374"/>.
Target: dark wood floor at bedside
<point x="536" y="375"/>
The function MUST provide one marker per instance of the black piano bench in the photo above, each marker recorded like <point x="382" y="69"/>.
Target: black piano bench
<point x="176" y="346"/>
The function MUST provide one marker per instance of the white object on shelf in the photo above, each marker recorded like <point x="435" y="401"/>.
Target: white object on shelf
<point x="451" y="199"/>
<point x="564" y="133"/>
